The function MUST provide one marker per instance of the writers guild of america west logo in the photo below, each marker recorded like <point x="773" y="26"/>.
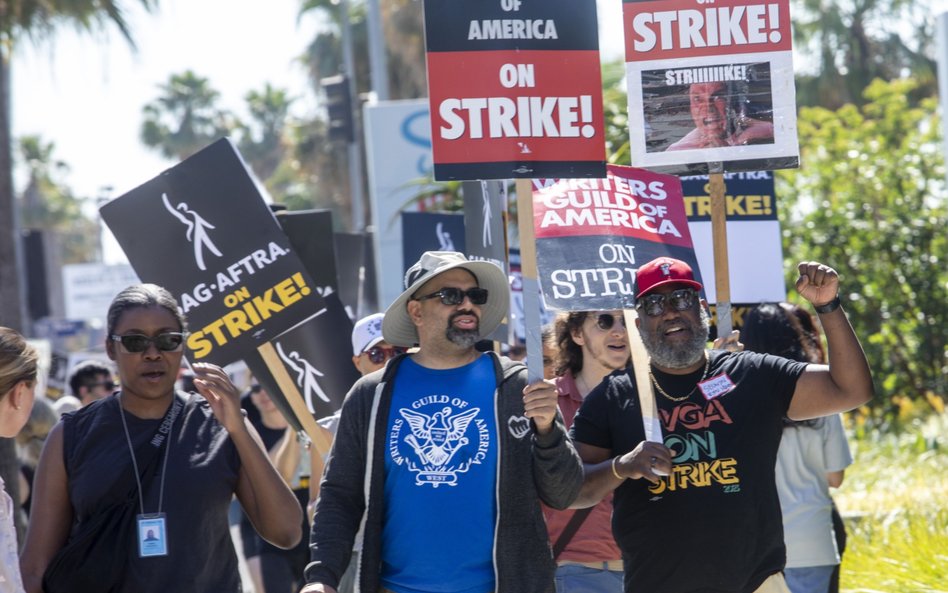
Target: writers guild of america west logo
<point x="439" y="438"/>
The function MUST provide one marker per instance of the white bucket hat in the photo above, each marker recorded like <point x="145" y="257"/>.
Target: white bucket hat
<point x="397" y="327"/>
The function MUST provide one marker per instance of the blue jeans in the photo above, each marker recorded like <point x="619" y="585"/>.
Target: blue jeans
<point x="809" y="579"/>
<point x="582" y="579"/>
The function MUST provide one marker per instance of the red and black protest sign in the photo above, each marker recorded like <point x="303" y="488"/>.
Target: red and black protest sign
<point x="515" y="89"/>
<point x="592" y="235"/>
<point x="710" y="82"/>
<point x="202" y="230"/>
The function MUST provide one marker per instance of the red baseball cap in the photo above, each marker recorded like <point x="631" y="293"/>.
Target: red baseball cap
<point x="661" y="271"/>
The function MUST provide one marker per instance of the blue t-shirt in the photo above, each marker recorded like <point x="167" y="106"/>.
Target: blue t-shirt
<point x="440" y="478"/>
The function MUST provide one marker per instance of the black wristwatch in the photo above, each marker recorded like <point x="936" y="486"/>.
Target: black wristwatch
<point x="828" y="307"/>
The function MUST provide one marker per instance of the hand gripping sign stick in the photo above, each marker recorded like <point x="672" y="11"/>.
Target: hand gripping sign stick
<point x="650" y="420"/>
<point x="322" y="439"/>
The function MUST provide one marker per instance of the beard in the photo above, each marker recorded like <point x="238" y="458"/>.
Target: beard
<point x="465" y="338"/>
<point x="679" y="356"/>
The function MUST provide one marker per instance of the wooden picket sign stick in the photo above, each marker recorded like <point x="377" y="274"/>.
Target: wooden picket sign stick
<point x="322" y="438"/>
<point x="528" y="273"/>
<point x="722" y="282"/>
<point x="650" y="420"/>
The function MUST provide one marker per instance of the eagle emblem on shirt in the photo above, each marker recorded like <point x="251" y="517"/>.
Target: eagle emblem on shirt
<point x="436" y="438"/>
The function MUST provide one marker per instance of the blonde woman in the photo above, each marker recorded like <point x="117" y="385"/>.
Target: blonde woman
<point x="17" y="381"/>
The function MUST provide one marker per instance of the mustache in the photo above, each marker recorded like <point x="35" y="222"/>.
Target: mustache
<point x="457" y="314"/>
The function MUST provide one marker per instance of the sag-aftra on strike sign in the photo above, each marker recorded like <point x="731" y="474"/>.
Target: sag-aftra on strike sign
<point x="515" y="89"/>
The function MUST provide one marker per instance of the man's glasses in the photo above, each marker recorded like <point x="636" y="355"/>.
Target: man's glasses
<point x="109" y="385"/>
<point x="605" y="321"/>
<point x="654" y="304"/>
<point x="455" y="296"/>
<point x="379" y="354"/>
<point x="137" y="343"/>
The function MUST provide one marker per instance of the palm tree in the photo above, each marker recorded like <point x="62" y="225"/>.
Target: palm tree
<point x="49" y="205"/>
<point x="35" y="20"/>
<point x="262" y="141"/>
<point x="185" y="118"/>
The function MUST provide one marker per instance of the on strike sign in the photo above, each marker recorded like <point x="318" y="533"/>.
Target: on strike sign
<point x="515" y="89"/>
<point x="710" y="81"/>
<point x="592" y="234"/>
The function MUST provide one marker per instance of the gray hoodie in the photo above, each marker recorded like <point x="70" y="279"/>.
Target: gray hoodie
<point x="531" y="468"/>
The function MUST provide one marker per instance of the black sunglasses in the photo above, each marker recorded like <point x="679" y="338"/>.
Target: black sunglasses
<point x="605" y="321"/>
<point x="455" y="296"/>
<point x="379" y="354"/>
<point x="654" y="304"/>
<point x="109" y="385"/>
<point x="136" y="343"/>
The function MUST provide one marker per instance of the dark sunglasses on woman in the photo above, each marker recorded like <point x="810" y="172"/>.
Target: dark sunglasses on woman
<point x="137" y="343"/>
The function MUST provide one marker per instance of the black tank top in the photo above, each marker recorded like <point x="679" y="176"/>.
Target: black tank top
<point x="202" y="471"/>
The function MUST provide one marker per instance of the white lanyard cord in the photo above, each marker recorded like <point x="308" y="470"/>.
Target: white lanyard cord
<point x="164" y="464"/>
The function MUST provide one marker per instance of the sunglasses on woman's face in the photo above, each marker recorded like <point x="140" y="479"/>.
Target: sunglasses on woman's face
<point x="138" y="343"/>
<point x="605" y="321"/>
<point x="455" y="296"/>
<point x="379" y="354"/>
<point x="654" y="304"/>
<point x="109" y="385"/>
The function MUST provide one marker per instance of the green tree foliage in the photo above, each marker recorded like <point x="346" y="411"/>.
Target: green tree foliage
<point x="50" y="206"/>
<point x="262" y="141"/>
<point x="185" y="117"/>
<point x="870" y="200"/>
<point x="847" y="44"/>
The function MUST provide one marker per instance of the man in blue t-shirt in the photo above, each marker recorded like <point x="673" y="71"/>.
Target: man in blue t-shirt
<point x="441" y="458"/>
<point x="699" y="512"/>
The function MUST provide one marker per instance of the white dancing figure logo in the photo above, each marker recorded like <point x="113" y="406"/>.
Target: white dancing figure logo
<point x="306" y="376"/>
<point x="197" y="230"/>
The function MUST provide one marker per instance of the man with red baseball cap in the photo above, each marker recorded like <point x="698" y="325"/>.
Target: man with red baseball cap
<point x="699" y="511"/>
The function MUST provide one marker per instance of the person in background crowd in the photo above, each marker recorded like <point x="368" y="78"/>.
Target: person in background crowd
<point x="30" y="441"/>
<point x="271" y="426"/>
<point x="370" y="351"/>
<point x="106" y="454"/>
<point x="839" y="528"/>
<point x="550" y="352"/>
<point x="812" y="457"/>
<point x="708" y="491"/>
<point x="591" y="344"/>
<point x="18" y="369"/>
<point x="441" y="458"/>
<point x="283" y="569"/>
<point x="90" y="381"/>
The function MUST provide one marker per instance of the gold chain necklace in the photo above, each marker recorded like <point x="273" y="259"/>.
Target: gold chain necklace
<point x="707" y="365"/>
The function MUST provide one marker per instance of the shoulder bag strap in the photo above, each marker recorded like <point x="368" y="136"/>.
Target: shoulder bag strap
<point x="575" y="522"/>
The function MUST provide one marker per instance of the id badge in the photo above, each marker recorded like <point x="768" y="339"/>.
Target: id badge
<point x="152" y="536"/>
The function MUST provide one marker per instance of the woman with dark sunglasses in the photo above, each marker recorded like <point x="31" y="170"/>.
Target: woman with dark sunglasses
<point x="149" y="459"/>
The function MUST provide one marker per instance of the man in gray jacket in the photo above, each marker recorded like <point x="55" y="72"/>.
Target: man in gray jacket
<point x="441" y="458"/>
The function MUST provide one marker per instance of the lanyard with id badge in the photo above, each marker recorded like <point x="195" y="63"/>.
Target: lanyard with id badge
<point x="152" y="535"/>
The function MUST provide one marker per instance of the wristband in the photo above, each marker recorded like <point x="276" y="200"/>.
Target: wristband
<point x="614" y="472"/>
<point x="828" y="307"/>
